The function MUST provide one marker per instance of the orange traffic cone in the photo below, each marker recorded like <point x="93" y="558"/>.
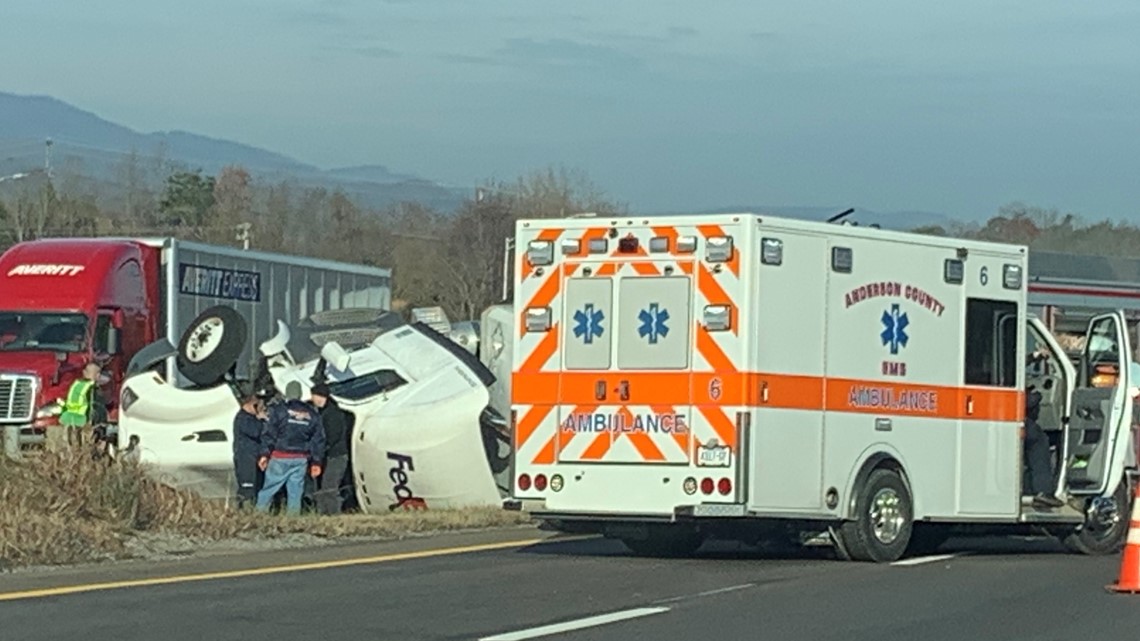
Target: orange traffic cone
<point x="1130" y="566"/>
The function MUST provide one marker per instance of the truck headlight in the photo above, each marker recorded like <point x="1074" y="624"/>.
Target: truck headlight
<point x="127" y="398"/>
<point x="55" y="408"/>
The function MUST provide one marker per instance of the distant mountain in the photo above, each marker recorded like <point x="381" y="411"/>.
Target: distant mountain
<point x="99" y="146"/>
<point x="899" y="220"/>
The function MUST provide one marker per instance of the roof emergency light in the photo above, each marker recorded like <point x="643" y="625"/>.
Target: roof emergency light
<point x="772" y="251"/>
<point x="540" y="252"/>
<point x="718" y="249"/>
<point x="599" y="245"/>
<point x="718" y="318"/>
<point x="686" y="244"/>
<point x="571" y="246"/>
<point x="1011" y="277"/>
<point x="658" y="244"/>
<point x="628" y="245"/>
<point x="537" y="319"/>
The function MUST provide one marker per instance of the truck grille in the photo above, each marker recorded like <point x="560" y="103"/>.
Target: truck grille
<point x="17" y="394"/>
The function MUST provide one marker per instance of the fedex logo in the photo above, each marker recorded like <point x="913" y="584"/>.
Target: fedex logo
<point x="399" y="475"/>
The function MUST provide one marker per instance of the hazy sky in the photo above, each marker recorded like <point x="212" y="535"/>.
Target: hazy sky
<point x="955" y="107"/>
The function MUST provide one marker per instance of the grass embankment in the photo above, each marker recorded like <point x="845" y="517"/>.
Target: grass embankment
<point x="62" y="508"/>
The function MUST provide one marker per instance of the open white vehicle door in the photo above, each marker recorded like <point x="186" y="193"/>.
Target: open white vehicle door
<point x="1099" y="444"/>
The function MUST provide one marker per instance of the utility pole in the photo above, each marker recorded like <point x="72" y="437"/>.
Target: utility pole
<point x="47" y="185"/>
<point x="244" y="234"/>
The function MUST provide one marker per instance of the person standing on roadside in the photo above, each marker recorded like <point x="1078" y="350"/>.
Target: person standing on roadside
<point x="84" y="406"/>
<point x="249" y="423"/>
<point x="336" y="424"/>
<point x="292" y="443"/>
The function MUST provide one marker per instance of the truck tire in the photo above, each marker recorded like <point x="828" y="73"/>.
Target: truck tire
<point x="669" y="541"/>
<point x="211" y="345"/>
<point x="884" y="520"/>
<point x="1099" y="538"/>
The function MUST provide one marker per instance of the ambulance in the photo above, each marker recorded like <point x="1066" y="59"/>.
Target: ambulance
<point x="740" y="376"/>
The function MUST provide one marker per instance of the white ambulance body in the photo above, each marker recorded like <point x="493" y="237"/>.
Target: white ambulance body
<point x="737" y="375"/>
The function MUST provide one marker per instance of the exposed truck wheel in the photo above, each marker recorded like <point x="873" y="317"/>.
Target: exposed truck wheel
<point x="1105" y="529"/>
<point x="211" y="345"/>
<point x="668" y="541"/>
<point x="883" y="523"/>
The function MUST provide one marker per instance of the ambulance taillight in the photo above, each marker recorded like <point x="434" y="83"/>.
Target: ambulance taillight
<point x="707" y="486"/>
<point x="524" y="482"/>
<point x="724" y="487"/>
<point x="540" y="482"/>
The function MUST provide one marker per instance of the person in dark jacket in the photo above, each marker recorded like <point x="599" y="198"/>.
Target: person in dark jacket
<point x="248" y="424"/>
<point x="1036" y="453"/>
<point x="336" y="422"/>
<point x="292" y="443"/>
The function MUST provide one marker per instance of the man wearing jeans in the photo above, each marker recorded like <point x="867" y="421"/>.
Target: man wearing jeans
<point x="293" y="442"/>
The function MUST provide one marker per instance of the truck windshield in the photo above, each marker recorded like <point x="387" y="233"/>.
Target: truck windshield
<point x="22" y="331"/>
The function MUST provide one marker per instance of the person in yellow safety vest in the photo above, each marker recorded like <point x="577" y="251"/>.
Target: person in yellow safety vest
<point x="77" y="407"/>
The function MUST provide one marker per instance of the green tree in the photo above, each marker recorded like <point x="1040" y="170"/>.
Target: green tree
<point x="188" y="201"/>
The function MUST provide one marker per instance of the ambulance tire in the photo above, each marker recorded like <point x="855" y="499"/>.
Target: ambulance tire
<point x="211" y="345"/>
<point x="894" y="521"/>
<point x="669" y="542"/>
<point x="1094" y="541"/>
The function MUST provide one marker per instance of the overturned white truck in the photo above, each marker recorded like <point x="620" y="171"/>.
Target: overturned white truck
<point x="424" y="434"/>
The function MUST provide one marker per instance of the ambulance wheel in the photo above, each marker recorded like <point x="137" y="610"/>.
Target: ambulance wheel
<point x="666" y="542"/>
<point x="1105" y="529"/>
<point x="883" y="521"/>
<point x="211" y="345"/>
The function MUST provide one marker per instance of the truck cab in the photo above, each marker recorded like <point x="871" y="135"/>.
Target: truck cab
<point x="63" y="303"/>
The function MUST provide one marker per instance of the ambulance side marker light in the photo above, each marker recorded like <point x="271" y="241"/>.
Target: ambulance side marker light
<point x="718" y="318"/>
<point x="686" y="244"/>
<point x="772" y="251"/>
<point x="540" y="252"/>
<point x="718" y="249"/>
<point x="537" y="319"/>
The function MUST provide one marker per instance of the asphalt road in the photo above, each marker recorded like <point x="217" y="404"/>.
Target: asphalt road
<point x="1001" y="590"/>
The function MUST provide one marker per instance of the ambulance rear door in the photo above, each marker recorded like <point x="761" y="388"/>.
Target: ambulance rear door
<point x="626" y="367"/>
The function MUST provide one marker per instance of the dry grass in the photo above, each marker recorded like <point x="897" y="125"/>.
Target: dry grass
<point x="63" y="508"/>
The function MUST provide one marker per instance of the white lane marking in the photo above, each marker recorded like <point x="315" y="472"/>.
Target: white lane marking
<point x="698" y="595"/>
<point x="924" y="559"/>
<point x="578" y="624"/>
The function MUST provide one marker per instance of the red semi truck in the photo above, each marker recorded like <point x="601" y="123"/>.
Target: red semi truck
<point x="64" y="302"/>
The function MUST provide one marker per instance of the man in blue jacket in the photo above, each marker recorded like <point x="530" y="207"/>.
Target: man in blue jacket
<point x="248" y="425"/>
<point x="292" y="443"/>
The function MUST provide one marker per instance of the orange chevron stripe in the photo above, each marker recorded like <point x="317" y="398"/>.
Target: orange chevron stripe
<point x="530" y="421"/>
